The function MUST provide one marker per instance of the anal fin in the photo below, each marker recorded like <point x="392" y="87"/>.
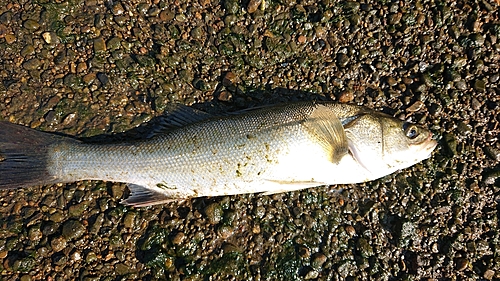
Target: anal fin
<point x="142" y="197"/>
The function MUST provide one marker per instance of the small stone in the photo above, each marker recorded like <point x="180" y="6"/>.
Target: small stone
<point x="450" y="144"/>
<point x="94" y="228"/>
<point x="129" y="219"/>
<point x="350" y="230"/>
<point x="25" y="278"/>
<point x="489" y="274"/>
<point x="342" y="60"/>
<point x="49" y="228"/>
<point x="364" y="248"/>
<point x="253" y="5"/>
<point x="121" y="269"/>
<point x="201" y="85"/>
<point x="31" y="25"/>
<point x="492" y="153"/>
<point x="113" y="43"/>
<point x="418" y="105"/>
<point x="225" y="231"/>
<point x="10" y="38"/>
<point x="180" y="17"/>
<point x="78" y="209"/>
<point x="461" y="85"/>
<point x="346" y="96"/>
<point x="99" y="45"/>
<point x="58" y="244"/>
<point x="57" y="217"/>
<point x="89" y="78"/>
<point x="117" y="9"/>
<point x="76" y="256"/>
<point x="73" y="229"/>
<point x="178" y="238"/>
<point x="91" y="257"/>
<point x="479" y="85"/>
<point x="197" y="33"/>
<point x="3" y="254"/>
<point x="228" y="248"/>
<point x="491" y="177"/>
<point x="68" y="119"/>
<point x="475" y="104"/>
<point x="32" y="64"/>
<point x="167" y="15"/>
<point x="35" y="233"/>
<point x="153" y="11"/>
<point x="103" y="78"/>
<point x="72" y="81"/>
<point x="3" y="30"/>
<point x="311" y="274"/>
<point x="478" y="39"/>
<point x="494" y="78"/>
<point x="214" y="213"/>
<point x="81" y="67"/>
<point x="464" y="128"/>
<point x="461" y="264"/>
<point x="301" y="39"/>
<point x="229" y="79"/>
<point x="225" y="96"/>
<point x="117" y="191"/>
<point x="391" y="81"/>
<point x="50" y="38"/>
<point x="318" y="259"/>
<point x="120" y="20"/>
<point x="395" y="18"/>
<point x="28" y="50"/>
<point x="304" y="252"/>
<point x="143" y="8"/>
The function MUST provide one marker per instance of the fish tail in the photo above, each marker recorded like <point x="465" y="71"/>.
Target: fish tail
<point x="24" y="155"/>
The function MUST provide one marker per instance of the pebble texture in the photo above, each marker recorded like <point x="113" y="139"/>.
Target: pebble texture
<point x="89" y="67"/>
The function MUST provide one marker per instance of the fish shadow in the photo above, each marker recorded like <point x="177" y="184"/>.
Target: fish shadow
<point x="242" y="101"/>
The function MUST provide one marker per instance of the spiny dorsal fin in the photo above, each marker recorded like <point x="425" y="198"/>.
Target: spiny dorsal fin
<point x="327" y="128"/>
<point x="143" y="197"/>
<point x="177" y="116"/>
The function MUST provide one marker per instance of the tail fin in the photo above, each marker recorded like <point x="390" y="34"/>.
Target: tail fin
<point x="24" y="155"/>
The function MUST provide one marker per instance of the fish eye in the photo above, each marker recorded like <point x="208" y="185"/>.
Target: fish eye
<point x="411" y="131"/>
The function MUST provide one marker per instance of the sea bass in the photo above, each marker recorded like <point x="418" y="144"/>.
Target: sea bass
<point x="264" y="150"/>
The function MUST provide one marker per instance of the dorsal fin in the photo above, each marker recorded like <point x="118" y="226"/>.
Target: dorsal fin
<point x="327" y="128"/>
<point x="177" y="116"/>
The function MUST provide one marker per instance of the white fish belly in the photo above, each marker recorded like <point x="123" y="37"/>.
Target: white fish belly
<point x="282" y="161"/>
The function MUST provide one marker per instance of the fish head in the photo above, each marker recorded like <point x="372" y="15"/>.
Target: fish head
<point x="383" y="144"/>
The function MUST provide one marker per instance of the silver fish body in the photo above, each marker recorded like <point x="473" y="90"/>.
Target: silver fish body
<point x="271" y="149"/>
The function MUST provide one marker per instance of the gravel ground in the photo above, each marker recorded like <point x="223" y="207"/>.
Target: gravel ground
<point x="94" y="67"/>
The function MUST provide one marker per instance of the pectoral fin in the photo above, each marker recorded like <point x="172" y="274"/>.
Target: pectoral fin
<point x="143" y="197"/>
<point x="327" y="129"/>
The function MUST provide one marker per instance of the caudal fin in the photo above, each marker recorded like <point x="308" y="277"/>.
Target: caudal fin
<point x="24" y="155"/>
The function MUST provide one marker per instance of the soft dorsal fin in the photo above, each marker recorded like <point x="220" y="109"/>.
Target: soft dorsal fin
<point x="176" y="116"/>
<point x="327" y="128"/>
<point x="179" y="115"/>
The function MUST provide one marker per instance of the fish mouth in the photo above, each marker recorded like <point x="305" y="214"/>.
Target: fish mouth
<point x="429" y="144"/>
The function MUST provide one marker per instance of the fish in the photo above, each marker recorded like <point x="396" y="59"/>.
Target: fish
<point x="267" y="150"/>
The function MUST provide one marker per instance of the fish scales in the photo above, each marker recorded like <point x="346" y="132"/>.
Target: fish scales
<point x="217" y="155"/>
